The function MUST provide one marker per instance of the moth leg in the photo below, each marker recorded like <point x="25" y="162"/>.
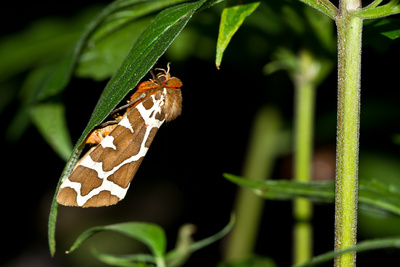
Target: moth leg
<point x="131" y="102"/>
<point x="111" y="122"/>
<point x="97" y="135"/>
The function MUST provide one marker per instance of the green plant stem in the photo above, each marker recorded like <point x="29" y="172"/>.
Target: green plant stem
<point x="349" y="30"/>
<point x="304" y="125"/>
<point x="262" y="152"/>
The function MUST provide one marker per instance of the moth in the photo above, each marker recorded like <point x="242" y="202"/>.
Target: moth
<point x="103" y="175"/>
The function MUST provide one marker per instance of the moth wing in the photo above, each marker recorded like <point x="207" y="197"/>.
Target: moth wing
<point x="103" y="175"/>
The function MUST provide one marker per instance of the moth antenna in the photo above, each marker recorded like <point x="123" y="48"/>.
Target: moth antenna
<point x="163" y="70"/>
<point x="168" y="67"/>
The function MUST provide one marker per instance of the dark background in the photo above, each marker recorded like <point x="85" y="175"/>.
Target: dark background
<point x="180" y="180"/>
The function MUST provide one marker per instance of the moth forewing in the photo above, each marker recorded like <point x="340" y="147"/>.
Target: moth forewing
<point x="102" y="177"/>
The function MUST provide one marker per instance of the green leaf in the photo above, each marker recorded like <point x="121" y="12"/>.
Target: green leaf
<point x="48" y="117"/>
<point x="57" y="78"/>
<point x="372" y="193"/>
<point x="374" y="12"/>
<point x="151" y="44"/>
<point x="19" y="124"/>
<point x="287" y="190"/>
<point x="396" y="139"/>
<point x="48" y="39"/>
<point x="50" y="120"/>
<point x="149" y="234"/>
<point x="360" y="247"/>
<point x="111" y="41"/>
<point x="324" y="6"/>
<point x="134" y="260"/>
<point x="388" y="27"/>
<point x="377" y="194"/>
<point x="186" y="246"/>
<point x="232" y="18"/>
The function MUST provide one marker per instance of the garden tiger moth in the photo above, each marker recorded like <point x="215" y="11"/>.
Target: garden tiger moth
<point x="103" y="175"/>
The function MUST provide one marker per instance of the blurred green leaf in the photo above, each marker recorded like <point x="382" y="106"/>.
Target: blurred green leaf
<point x="360" y="247"/>
<point x="376" y="11"/>
<point x="44" y="41"/>
<point x="48" y="117"/>
<point x="150" y="234"/>
<point x="377" y="194"/>
<point x="127" y="12"/>
<point x="50" y="120"/>
<point x="388" y="27"/>
<point x="112" y="40"/>
<point x="396" y="139"/>
<point x="323" y="30"/>
<point x="134" y="260"/>
<point x="100" y="60"/>
<point x="287" y="190"/>
<point x="232" y="18"/>
<point x="323" y="6"/>
<point x="18" y="126"/>
<point x="372" y="193"/>
<point x="57" y="78"/>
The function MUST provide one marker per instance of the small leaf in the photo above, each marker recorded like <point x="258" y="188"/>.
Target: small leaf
<point x="150" y="234"/>
<point x="50" y="120"/>
<point x="48" y="117"/>
<point x="232" y="18"/>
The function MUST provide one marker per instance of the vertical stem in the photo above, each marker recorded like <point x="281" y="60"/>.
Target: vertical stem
<point x="262" y="152"/>
<point x="349" y="72"/>
<point x="303" y="146"/>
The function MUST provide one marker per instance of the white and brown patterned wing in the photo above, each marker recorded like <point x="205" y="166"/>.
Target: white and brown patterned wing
<point x="103" y="175"/>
